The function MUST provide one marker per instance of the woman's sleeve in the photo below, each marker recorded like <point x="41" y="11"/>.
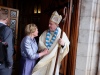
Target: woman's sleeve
<point x="29" y="52"/>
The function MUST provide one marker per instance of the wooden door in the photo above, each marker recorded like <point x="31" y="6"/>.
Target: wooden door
<point x="13" y="23"/>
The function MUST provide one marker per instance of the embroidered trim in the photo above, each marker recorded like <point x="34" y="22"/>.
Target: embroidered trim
<point x="48" y="41"/>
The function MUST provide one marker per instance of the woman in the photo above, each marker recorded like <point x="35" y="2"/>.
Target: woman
<point x="29" y="50"/>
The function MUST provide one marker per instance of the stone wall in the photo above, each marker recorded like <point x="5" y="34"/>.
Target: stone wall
<point x="89" y="38"/>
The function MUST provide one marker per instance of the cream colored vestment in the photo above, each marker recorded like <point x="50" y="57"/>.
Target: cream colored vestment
<point x="46" y="65"/>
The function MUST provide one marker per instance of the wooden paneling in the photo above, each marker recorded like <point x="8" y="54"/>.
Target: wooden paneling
<point x="9" y="3"/>
<point x="1" y="2"/>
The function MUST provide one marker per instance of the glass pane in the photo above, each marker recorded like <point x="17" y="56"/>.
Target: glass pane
<point x="13" y="14"/>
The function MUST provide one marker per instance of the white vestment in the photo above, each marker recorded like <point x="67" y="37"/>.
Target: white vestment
<point x="46" y="65"/>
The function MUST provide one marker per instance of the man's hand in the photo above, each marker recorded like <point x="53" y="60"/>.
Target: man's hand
<point x="61" y="42"/>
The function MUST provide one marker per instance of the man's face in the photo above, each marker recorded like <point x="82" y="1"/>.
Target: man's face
<point x="52" y="26"/>
<point x="35" y="33"/>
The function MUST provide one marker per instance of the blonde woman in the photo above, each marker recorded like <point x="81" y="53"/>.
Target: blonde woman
<point x="29" y="50"/>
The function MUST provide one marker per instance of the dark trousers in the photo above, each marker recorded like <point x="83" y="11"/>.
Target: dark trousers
<point x="6" y="71"/>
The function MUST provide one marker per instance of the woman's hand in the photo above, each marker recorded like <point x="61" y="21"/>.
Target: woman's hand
<point x="44" y="52"/>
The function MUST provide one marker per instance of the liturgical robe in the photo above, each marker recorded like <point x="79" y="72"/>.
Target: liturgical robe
<point x="46" y="65"/>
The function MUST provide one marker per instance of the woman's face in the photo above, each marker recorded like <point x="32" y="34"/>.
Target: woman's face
<point x="35" y="33"/>
<point x="52" y="26"/>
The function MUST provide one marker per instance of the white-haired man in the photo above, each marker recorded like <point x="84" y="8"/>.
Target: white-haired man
<point x="50" y="40"/>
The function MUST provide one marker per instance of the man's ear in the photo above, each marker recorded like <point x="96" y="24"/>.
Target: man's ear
<point x="7" y="21"/>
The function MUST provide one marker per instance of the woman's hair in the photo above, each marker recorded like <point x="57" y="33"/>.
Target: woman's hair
<point x="30" y="28"/>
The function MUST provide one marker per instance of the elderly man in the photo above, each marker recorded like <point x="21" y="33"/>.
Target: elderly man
<point x="50" y="40"/>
